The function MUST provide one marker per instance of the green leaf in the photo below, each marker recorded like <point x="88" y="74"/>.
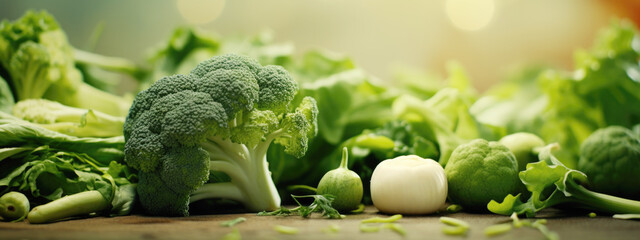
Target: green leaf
<point x="6" y="97"/>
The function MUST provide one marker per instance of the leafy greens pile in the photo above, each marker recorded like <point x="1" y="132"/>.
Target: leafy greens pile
<point x="61" y="140"/>
<point x="65" y="134"/>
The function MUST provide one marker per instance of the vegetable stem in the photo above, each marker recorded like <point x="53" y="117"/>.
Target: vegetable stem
<point x="603" y="202"/>
<point x="344" y="164"/>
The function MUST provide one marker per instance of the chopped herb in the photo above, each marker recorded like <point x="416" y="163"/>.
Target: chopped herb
<point x="540" y="225"/>
<point x="232" y="222"/>
<point x="234" y="235"/>
<point x="454" y="226"/>
<point x="286" y="229"/>
<point x="497" y="229"/>
<point x="360" y="209"/>
<point x="333" y="228"/>
<point x="369" y="228"/>
<point x="382" y="220"/>
<point x="454" y="208"/>
<point x="321" y="204"/>
<point x="396" y="228"/>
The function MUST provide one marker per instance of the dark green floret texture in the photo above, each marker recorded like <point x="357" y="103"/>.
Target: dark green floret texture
<point x="611" y="159"/>
<point x="220" y="118"/>
<point x="481" y="171"/>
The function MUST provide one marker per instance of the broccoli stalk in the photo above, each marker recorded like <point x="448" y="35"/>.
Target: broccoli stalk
<point x="68" y="120"/>
<point x="549" y="175"/>
<point x="251" y="181"/>
<point x="219" y="119"/>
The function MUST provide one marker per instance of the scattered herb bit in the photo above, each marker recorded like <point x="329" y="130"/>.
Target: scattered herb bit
<point x="232" y="222"/>
<point x="283" y="211"/>
<point x="454" y="226"/>
<point x="540" y="221"/>
<point x="454" y="222"/>
<point x="540" y="225"/>
<point x="234" y="235"/>
<point x="516" y="221"/>
<point x="626" y="216"/>
<point x="396" y="228"/>
<point x="451" y="230"/>
<point x="454" y="208"/>
<point x="321" y="204"/>
<point x="286" y="229"/>
<point x="592" y="215"/>
<point x="369" y="228"/>
<point x="333" y="228"/>
<point x="360" y="209"/>
<point x="497" y="229"/>
<point x="383" y="220"/>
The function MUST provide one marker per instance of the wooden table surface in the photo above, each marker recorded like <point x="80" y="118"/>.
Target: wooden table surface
<point x="568" y="226"/>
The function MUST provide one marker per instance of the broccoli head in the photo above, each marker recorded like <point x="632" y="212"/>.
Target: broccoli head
<point x="39" y="62"/>
<point x="221" y="117"/>
<point x="611" y="159"/>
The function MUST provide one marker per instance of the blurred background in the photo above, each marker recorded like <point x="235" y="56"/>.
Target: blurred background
<point x="488" y="37"/>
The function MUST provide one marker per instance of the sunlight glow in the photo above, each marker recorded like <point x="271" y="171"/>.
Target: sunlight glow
<point x="470" y="15"/>
<point x="200" y="11"/>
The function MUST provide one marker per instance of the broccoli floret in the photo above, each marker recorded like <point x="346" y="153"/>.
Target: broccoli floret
<point x="221" y="117"/>
<point x="68" y="120"/>
<point x="39" y="63"/>
<point x="610" y="157"/>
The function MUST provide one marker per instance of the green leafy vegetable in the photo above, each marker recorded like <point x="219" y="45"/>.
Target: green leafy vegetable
<point x="551" y="183"/>
<point x="68" y="120"/>
<point x="39" y="62"/>
<point x="59" y="170"/>
<point x="6" y="98"/>
<point x="566" y="107"/>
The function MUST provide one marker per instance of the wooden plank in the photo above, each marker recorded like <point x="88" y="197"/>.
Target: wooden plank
<point x="568" y="226"/>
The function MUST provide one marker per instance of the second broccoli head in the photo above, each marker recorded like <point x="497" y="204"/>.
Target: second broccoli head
<point x="218" y="119"/>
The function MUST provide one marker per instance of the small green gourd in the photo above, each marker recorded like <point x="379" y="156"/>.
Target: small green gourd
<point x="344" y="184"/>
<point x="14" y="206"/>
